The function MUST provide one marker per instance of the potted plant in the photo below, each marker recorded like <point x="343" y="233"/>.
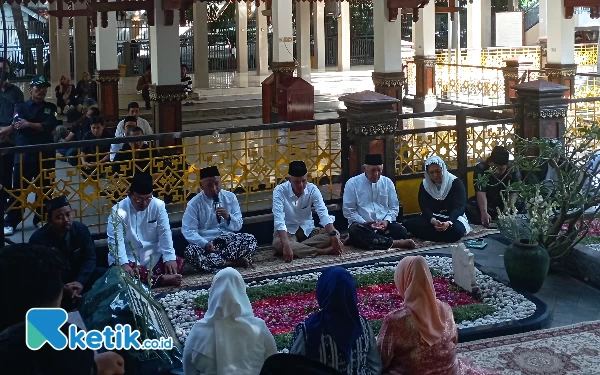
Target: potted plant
<point x="525" y="260"/>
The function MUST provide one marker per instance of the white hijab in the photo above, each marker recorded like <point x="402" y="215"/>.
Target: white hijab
<point x="438" y="191"/>
<point x="229" y="330"/>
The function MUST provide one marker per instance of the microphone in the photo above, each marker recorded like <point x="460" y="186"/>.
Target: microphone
<point x="217" y="204"/>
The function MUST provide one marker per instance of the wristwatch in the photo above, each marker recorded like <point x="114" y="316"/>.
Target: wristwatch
<point x="333" y="233"/>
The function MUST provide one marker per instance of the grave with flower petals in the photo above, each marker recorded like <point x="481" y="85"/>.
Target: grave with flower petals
<point x="283" y="302"/>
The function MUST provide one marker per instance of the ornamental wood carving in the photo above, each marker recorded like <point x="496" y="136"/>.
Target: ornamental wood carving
<point x="570" y="6"/>
<point x="394" y="6"/>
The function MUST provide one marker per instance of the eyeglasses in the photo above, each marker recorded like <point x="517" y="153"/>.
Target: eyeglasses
<point x="142" y="200"/>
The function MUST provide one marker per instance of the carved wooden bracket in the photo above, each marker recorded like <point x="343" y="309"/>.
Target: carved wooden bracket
<point x="394" y="6"/>
<point x="61" y="13"/>
<point x="450" y="10"/>
<point x="570" y="6"/>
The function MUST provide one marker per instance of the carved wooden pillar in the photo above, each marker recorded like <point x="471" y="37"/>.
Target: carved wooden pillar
<point x="371" y="128"/>
<point x="166" y="107"/>
<point x="543" y="114"/>
<point x="108" y="95"/>
<point x="390" y="84"/>
<point x="562" y="74"/>
<point x="515" y="72"/>
<point x="425" y="80"/>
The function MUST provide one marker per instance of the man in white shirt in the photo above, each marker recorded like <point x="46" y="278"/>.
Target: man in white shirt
<point x="371" y="206"/>
<point x="133" y="111"/>
<point x="139" y="234"/>
<point x="295" y="233"/>
<point x="211" y="223"/>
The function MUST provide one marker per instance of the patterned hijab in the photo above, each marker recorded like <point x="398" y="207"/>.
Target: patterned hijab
<point x="415" y="285"/>
<point x="438" y="191"/>
<point x="338" y="317"/>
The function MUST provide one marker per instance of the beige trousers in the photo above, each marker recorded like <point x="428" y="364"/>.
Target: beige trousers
<point x="303" y="246"/>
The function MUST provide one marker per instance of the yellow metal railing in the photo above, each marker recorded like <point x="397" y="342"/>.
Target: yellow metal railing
<point x="586" y="54"/>
<point x="414" y="147"/>
<point x="251" y="162"/>
<point x="489" y="57"/>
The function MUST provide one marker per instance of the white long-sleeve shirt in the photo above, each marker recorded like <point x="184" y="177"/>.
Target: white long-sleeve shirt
<point x="365" y="201"/>
<point x="148" y="231"/>
<point x="120" y="132"/>
<point x="291" y="212"/>
<point x="200" y="226"/>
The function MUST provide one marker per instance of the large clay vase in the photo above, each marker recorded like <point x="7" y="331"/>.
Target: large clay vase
<point x="526" y="265"/>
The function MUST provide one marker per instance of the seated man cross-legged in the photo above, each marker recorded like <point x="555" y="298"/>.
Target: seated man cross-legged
<point x="371" y="206"/>
<point x="295" y="233"/>
<point x="142" y="221"/>
<point x="484" y="206"/>
<point x="74" y="242"/>
<point x="210" y="224"/>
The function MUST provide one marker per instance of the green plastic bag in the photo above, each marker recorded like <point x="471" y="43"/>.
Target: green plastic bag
<point x="113" y="300"/>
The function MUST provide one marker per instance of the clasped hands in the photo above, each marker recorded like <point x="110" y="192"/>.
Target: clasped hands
<point x="441" y="226"/>
<point x="378" y="225"/>
<point x="170" y="268"/>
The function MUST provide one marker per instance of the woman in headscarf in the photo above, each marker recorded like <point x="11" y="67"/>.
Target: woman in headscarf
<point x="337" y="335"/>
<point x="229" y="339"/>
<point x="442" y="199"/>
<point x="65" y="94"/>
<point x="86" y="91"/>
<point x="420" y="338"/>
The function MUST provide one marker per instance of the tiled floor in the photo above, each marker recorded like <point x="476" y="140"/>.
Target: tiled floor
<point x="569" y="300"/>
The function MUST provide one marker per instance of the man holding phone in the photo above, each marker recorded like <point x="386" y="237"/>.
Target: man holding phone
<point x="10" y="96"/>
<point x="33" y="124"/>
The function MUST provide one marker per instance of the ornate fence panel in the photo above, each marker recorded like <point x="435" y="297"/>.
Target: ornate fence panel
<point x="252" y="161"/>
<point x="469" y="84"/>
<point x="462" y="138"/>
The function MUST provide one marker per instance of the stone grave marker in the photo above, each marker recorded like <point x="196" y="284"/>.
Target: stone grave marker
<point x="463" y="267"/>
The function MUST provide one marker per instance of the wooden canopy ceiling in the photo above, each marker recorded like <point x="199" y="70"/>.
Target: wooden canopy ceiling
<point x="93" y="7"/>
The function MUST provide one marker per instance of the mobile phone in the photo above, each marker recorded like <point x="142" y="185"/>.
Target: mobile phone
<point x="476" y="244"/>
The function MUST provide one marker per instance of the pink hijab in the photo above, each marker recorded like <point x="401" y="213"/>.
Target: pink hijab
<point x="415" y="285"/>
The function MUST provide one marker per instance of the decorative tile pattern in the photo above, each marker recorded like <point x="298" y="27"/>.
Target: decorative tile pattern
<point x="570" y="350"/>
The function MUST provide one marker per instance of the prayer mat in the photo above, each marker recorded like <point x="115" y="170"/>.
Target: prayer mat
<point x="569" y="350"/>
<point x="267" y="263"/>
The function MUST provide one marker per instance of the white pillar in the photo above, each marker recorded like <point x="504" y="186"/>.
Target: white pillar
<point x="388" y="40"/>
<point x="450" y="41"/>
<point x="424" y="31"/>
<point x="456" y="30"/>
<point x="241" y="36"/>
<point x="474" y="25"/>
<point x="319" y="34"/>
<point x="106" y="44"/>
<point x="200" y="45"/>
<point x="262" y="41"/>
<point x="53" y="26"/>
<point x="60" y="64"/>
<point x="344" y="37"/>
<point x="283" y="35"/>
<point x="164" y="49"/>
<point x="424" y="44"/>
<point x="543" y="25"/>
<point x="303" y="39"/>
<point x="561" y="48"/>
<point x="81" y="44"/>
